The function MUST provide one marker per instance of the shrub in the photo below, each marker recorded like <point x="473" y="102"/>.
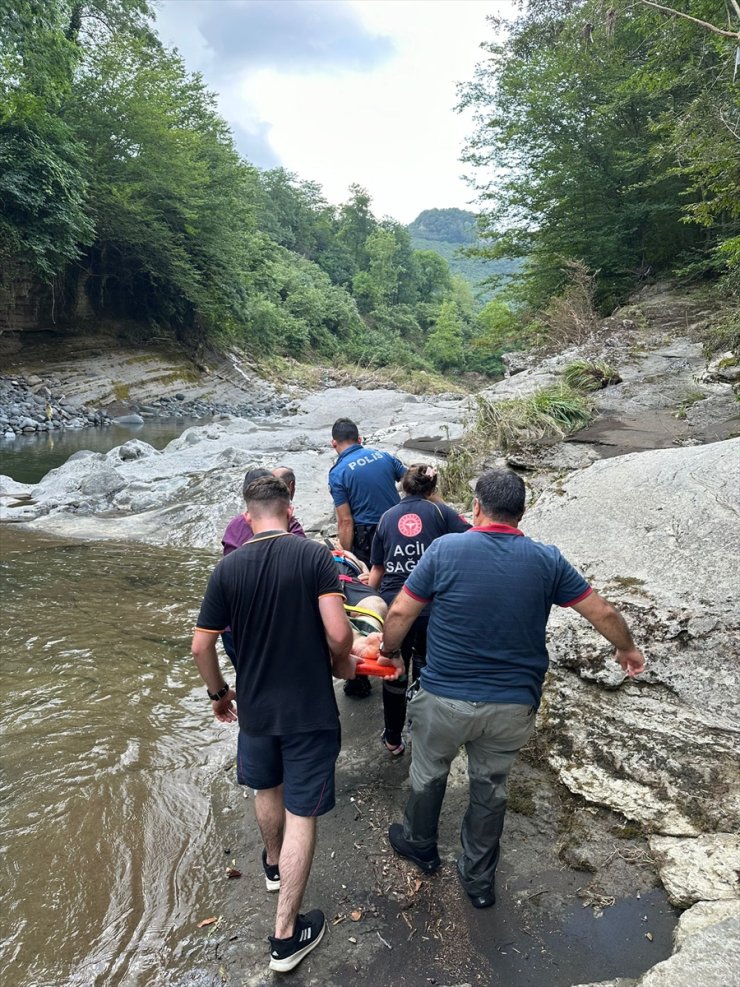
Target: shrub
<point x="570" y="317"/>
<point x="455" y="474"/>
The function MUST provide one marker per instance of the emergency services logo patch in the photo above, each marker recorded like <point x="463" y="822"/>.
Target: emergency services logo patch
<point x="409" y="525"/>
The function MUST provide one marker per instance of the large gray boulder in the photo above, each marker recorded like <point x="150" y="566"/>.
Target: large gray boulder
<point x="699" y="870"/>
<point x="701" y="916"/>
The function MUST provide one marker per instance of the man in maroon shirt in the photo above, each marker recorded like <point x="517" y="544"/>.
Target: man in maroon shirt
<point x="238" y="530"/>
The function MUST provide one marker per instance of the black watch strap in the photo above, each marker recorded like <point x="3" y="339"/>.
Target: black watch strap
<point x="388" y="654"/>
<point x="215" y="696"/>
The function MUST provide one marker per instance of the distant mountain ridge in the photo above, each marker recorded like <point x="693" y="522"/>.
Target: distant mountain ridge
<point x="446" y="231"/>
<point x="445" y="225"/>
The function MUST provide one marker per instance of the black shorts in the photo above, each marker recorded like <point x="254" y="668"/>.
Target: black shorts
<point x="355" y="591"/>
<point x="302" y="762"/>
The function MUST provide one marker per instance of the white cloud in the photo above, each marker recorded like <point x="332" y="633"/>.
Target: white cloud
<point x="390" y="127"/>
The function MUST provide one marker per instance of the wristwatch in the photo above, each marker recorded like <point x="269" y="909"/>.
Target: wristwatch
<point x="215" y="696"/>
<point x="388" y="654"/>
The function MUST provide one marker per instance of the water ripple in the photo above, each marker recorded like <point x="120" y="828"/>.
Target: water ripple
<point x="108" y="756"/>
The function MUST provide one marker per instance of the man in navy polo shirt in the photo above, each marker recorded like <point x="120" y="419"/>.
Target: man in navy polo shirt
<point x="491" y="591"/>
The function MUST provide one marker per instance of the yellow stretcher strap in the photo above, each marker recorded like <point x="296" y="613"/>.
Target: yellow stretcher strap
<point x="368" y="613"/>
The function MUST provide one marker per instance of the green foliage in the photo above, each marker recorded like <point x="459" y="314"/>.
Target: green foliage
<point x="723" y="335"/>
<point x="433" y="276"/>
<point x="456" y="472"/>
<point x="43" y="188"/>
<point x="120" y="183"/>
<point x="444" y="347"/>
<point x="172" y="200"/>
<point x="448" y="233"/>
<point x="444" y="225"/>
<point x="546" y="414"/>
<point x="604" y="138"/>
<point x="590" y="375"/>
<point x="570" y="316"/>
<point x="688" y="401"/>
<point x="498" y="330"/>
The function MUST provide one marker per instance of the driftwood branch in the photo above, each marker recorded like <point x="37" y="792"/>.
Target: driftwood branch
<point x="695" y="20"/>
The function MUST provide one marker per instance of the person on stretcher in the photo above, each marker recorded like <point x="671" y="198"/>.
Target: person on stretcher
<point x="365" y="609"/>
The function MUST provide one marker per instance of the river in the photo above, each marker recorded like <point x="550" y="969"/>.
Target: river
<point x="104" y="829"/>
<point x="28" y="458"/>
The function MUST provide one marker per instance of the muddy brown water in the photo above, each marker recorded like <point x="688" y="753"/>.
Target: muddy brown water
<point x="105" y="794"/>
<point x="120" y="808"/>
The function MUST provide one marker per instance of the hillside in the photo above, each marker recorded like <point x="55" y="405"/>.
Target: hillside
<point x="447" y="232"/>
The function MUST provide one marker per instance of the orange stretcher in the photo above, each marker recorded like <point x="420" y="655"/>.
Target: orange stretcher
<point x="369" y="664"/>
<point x="370" y="667"/>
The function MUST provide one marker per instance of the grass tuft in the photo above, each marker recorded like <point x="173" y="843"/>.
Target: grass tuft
<point x="121" y="391"/>
<point x="550" y="413"/>
<point x="585" y="375"/>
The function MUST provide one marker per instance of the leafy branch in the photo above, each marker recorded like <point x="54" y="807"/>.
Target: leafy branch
<point x="710" y="27"/>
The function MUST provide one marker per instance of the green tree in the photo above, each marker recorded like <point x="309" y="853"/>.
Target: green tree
<point x="43" y="187"/>
<point x="444" y="347"/>
<point x="356" y="223"/>
<point x="433" y="279"/>
<point x="173" y="203"/>
<point x="568" y="148"/>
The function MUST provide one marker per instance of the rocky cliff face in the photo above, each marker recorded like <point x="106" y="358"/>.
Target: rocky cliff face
<point x="656" y="533"/>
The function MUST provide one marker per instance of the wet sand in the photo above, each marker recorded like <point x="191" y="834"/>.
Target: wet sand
<point x="614" y="435"/>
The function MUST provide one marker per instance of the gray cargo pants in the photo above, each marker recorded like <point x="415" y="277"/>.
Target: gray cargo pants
<point x="493" y="734"/>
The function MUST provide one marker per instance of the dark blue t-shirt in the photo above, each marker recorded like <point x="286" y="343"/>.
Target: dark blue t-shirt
<point x="404" y="534"/>
<point x="366" y="480"/>
<point x="492" y="589"/>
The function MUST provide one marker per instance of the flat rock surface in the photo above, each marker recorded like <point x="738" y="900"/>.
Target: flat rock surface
<point x="709" y="958"/>
<point x="703" y="914"/>
<point x="706" y="868"/>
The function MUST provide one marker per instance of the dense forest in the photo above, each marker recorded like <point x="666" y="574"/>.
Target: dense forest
<point x="606" y="143"/>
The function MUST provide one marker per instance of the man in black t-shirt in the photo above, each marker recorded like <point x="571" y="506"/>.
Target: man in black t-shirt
<point x="281" y="597"/>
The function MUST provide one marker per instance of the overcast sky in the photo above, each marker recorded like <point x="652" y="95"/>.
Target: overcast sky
<point x="342" y="91"/>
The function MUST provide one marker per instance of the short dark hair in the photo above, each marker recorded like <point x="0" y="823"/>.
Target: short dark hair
<point x="501" y="494"/>
<point x="253" y="474"/>
<point x="345" y="430"/>
<point x="419" y="480"/>
<point x="266" y="493"/>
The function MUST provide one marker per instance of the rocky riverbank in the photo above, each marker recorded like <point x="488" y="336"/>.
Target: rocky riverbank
<point x="34" y="404"/>
<point x="72" y="383"/>
<point x="37" y="404"/>
<point x="644" y="501"/>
